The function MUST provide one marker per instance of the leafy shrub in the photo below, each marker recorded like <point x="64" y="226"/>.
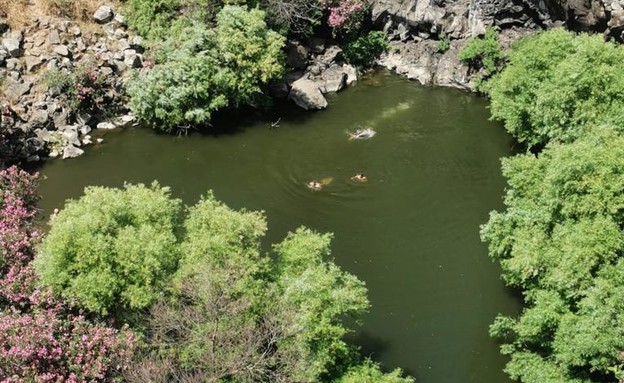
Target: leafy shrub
<point x="366" y="49"/>
<point x="161" y="19"/>
<point x="152" y="18"/>
<point x="444" y="43"/>
<point x="369" y="372"/>
<point x="112" y="250"/>
<point x="84" y="89"/>
<point x="209" y="70"/>
<point x="559" y="86"/>
<point x="483" y="52"/>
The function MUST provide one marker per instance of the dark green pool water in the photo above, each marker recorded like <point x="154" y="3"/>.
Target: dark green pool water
<point x="410" y="232"/>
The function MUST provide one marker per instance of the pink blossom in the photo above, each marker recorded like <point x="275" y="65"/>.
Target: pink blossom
<point x="43" y="339"/>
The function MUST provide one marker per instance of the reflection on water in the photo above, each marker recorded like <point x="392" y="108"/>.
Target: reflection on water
<point x="410" y="232"/>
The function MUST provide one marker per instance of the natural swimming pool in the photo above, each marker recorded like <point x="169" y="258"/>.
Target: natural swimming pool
<point x="410" y="232"/>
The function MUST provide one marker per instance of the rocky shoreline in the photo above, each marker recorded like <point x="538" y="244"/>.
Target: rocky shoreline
<point x="34" y="117"/>
<point x="35" y="122"/>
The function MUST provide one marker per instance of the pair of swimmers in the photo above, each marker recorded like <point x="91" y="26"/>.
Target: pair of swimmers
<point x="316" y="185"/>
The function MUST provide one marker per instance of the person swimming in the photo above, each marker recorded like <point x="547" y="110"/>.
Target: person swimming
<point x="360" y="177"/>
<point x="362" y="134"/>
<point x="315" y="185"/>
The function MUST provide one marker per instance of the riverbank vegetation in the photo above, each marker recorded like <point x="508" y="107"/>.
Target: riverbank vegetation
<point x="204" y="301"/>
<point x="481" y="52"/>
<point x="210" y="56"/>
<point x="560" y="238"/>
<point x="205" y="70"/>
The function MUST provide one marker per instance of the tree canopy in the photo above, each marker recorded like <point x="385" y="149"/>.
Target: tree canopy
<point x="213" y="305"/>
<point x="560" y="240"/>
<point x="204" y="70"/>
<point x="112" y="250"/>
<point x="557" y="86"/>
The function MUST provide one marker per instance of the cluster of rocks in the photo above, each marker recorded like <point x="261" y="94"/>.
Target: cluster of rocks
<point x="420" y="59"/>
<point x="48" y="45"/>
<point x="318" y="69"/>
<point x="416" y="26"/>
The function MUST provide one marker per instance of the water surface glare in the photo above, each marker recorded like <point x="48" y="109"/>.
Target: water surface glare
<point x="410" y="232"/>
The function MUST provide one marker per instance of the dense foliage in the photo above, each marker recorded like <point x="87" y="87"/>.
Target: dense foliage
<point x="560" y="239"/>
<point x="369" y="372"/>
<point x="112" y="250"/>
<point x="365" y="49"/>
<point x="559" y="86"/>
<point x="161" y="19"/>
<point x="483" y="52"/>
<point x="206" y="70"/>
<point x="220" y="308"/>
<point x="236" y="314"/>
<point x="82" y="90"/>
<point x="43" y="339"/>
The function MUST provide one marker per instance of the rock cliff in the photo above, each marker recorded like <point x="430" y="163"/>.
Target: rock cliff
<point x="415" y="26"/>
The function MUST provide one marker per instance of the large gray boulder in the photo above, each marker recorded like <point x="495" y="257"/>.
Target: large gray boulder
<point x="61" y="50"/>
<point x="333" y="79"/>
<point x="105" y="125"/>
<point x="53" y="37"/>
<point x="15" y="89"/>
<point x="32" y="62"/>
<point x="71" y="151"/>
<point x="306" y="94"/>
<point x="103" y="14"/>
<point x="351" y="73"/>
<point x="12" y="45"/>
<point x="331" y="54"/>
<point x="422" y="62"/>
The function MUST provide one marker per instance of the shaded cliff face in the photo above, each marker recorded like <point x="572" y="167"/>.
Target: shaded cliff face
<point x="464" y="18"/>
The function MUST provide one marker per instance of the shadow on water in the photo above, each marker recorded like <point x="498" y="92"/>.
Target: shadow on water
<point x="237" y="121"/>
<point x="371" y="346"/>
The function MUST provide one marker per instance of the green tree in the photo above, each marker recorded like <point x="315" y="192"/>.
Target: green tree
<point x="236" y="314"/>
<point x="221" y="309"/>
<point x="207" y="70"/>
<point x="162" y="19"/>
<point x="366" y="49"/>
<point x="558" y="86"/>
<point x="482" y="52"/>
<point x="315" y="297"/>
<point x="560" y="241"/>
<point x="112" y="250"/>
<point x="369" y="372"/>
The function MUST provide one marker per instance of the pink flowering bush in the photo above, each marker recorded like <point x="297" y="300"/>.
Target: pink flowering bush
<point x="50" y="345"/>
<point x="345" y="16"/>
<point x="82" y="90"/>
<point x="43" y="339"/>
